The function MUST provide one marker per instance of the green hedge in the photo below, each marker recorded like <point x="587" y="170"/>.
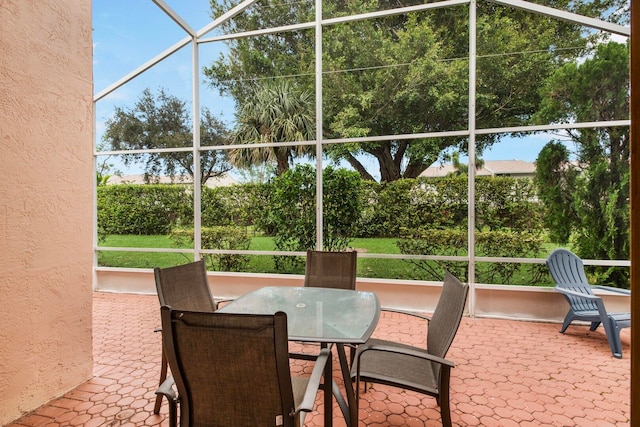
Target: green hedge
<point x="141" y="209"/>
<point x="501" y="203"/>
<point x="290" y="211"/>
<point x="285" y="207"/>
<point x="453" y="242"/>
<point x="233" y="205"/>
<point x="224" y="238"/>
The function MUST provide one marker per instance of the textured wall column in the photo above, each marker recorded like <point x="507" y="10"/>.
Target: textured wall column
<point x="46" y="176"/>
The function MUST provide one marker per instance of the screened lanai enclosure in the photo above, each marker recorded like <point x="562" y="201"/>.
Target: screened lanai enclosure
<point x="246" y="132"/>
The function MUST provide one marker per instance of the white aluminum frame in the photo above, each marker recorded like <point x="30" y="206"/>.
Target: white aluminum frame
<point x="195" y="38"/>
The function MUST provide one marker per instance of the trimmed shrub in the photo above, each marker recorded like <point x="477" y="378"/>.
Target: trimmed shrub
<point x="141" y="209"/>
<point x="291" y="211"/>
<point x="231" y="205"/>
<point x="520" y="244"/>
<point x="224" y="238"/>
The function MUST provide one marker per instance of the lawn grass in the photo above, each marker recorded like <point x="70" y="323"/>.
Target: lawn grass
<point x="367" y="267"/>
<point x="257" y="263"/>
<point x="126" y="259"/>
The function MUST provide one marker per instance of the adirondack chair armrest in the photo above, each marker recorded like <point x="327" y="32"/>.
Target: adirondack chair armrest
<point x="569" y="292"/>
<point x="594" y="298"/>
<point x="612" y="289"/>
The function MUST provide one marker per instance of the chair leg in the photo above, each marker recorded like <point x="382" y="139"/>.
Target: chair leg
<point x="163" y="376"/>
<point x="173" y="414"/>
<point x="567" y="321"/>
<point x="594" y="326"/>
<point x="443" y="398"/>
<point x="445" y="413"/>
<point x="613" y="336"/>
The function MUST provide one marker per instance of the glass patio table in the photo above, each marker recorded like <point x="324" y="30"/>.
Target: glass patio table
<point x="320" y="315"/>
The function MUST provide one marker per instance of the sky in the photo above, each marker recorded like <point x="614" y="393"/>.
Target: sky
<point x="127" y="34"/>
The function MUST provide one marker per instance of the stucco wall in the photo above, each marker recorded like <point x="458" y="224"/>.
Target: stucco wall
<point x="46" y="175"/>
<point x="532" y="303"/>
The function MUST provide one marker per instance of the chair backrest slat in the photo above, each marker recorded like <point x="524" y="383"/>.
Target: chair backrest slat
<point x="447" y="316"/>
<point x="565" y="267"/>
<point x="185" y="287"/>
<point x="327" y="269"/>
<point x="229" y="369"/>
<point x="567" y="271"/>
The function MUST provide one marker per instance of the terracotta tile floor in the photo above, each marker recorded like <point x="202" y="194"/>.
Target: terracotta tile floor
<point x="508" y="373"/>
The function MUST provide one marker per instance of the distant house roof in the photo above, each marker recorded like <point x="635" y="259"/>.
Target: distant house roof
<point x="220" y="181"/>
<point x="515" y="168"/>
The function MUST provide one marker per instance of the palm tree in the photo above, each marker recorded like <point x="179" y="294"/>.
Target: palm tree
<point x="278" y="112"/>
<point x="463" y="168"/>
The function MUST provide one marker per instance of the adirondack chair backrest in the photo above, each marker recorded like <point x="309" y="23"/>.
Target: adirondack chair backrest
<point x="567" y="270"/>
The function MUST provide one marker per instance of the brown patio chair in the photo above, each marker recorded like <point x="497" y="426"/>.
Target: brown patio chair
<point x="567" y="271"/>
<point x="233" y="370"/>
<point x="421" y="369"/>
<point x="183" y="287"/>
<point x="329" y="269"/>
<point x="326" y="269"/>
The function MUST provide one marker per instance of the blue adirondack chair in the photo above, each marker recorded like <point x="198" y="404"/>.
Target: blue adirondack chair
<point x="567" y="270"/>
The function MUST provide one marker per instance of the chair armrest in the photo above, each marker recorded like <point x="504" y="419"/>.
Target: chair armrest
<point x="577" y="294"/>
<point x="307" y="356"/>
<point x="402" y="350"/>
<point x="220" y="301"/>
<point x="314" y="381"/>
<point x="612" y="289"/>
<point x="596" y="299"/>
<point x="302" y="356"/>
<point x="166" y="389"/>
<point x="408" y="313"/>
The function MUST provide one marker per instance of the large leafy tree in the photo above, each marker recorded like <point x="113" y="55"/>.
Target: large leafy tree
<point x="555" y="180"/>
<point x="278" y="112"/>
<point x="163" y="121"/>
<point x="596" y="90"/>
<point x="389" y="82"/>
<point x="250" y="59"/>
<point x="405" y="73"/>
